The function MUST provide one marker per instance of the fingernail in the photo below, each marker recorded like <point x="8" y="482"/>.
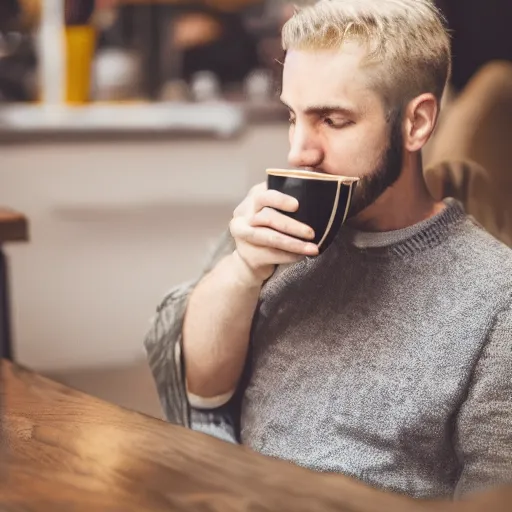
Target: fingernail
<point x="311" y="234"/>
<point x="312" y="249"/>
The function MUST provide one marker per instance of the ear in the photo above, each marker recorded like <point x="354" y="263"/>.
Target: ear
<point x="419" y="121"/>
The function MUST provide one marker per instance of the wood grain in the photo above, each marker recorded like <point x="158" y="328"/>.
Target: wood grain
<point x="13" y="226"/>
<point x="66" y="451"/>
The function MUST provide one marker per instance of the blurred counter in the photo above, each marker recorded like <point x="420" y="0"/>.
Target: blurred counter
<point x="218" y="120"/>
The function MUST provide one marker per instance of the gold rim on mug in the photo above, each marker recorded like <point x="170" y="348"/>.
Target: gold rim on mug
<point x="311" y="175"/>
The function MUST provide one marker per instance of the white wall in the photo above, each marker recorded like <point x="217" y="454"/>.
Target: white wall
<point x="113" y="226"/>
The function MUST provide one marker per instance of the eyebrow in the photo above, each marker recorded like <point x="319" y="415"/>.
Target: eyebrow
<point x="322" y="110"/>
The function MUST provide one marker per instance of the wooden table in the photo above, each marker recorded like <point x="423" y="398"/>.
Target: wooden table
<point x="13" y="228"/>
<point x="66" y="451"/>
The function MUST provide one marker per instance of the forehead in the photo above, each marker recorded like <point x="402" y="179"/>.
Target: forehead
<point x="328" y="77"/>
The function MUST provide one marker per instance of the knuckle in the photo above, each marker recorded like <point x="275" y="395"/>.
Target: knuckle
<point x="236" y="227"/>
<point x="255" y="220"/>
<point x="259" y="197"/>
<point x="251" y="236"/>
<point x="286" y="225"/>
<point x="274" y="193"/>
<point x="256" y="189"/>
<point x="266" y="216"/>
<point x="239" y="210"/>
<point x="272" y="238"/>
<point x="272" y="196"/>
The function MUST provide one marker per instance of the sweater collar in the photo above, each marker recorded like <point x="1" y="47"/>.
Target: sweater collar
<point x="416" y="238"/>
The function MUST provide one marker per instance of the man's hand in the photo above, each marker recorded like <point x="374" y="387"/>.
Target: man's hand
<point x="265" y="237"/>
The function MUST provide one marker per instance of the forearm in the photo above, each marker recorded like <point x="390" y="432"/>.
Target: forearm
<point x="217" y="328"/>
<point x="495" y="500"/>
<point x="358" y="497"/>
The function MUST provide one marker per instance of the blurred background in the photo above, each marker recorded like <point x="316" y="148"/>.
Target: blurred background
<point x="130" y="129"/>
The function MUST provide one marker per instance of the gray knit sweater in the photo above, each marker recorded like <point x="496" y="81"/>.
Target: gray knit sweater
<point x="388" y="358"/>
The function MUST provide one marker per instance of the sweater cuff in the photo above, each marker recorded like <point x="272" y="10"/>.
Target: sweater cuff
<point x="199" y="402"/>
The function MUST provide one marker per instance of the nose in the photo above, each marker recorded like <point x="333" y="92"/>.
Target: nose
<point x="305" y="148"/>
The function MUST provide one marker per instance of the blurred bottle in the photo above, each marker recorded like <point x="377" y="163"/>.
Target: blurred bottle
<point x="80" y="41"/>
<point x="258" y="86"/>
<point x="206" y="87"/>
<point x="117" y="75"/>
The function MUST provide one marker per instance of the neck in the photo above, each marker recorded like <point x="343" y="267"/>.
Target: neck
<point x="404" y="204"/>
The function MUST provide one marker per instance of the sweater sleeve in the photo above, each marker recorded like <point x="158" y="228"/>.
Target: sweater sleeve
<point x="163" y="344"/>
<point x="484" y="424"/>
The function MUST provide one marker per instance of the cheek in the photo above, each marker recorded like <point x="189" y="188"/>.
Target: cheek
<point x="354" y="151"/>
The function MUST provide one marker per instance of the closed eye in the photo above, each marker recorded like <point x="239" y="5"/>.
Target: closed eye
<point x="336" y="123"/>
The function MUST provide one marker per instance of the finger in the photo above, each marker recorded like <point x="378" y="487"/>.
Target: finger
<point x="247" y="205"/>
<point x="263" y="256"/>
<point x="257" y="189"/>
<point x="275" y="199"/>
<point x="268" y="217"/>
<point x="266" y="237"/>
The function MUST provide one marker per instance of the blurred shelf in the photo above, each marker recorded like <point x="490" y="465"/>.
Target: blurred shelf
<point x="222" y="120"/>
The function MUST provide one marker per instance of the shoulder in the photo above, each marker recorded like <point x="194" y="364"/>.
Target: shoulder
<point x="478" y="269"/>
<point x="482" y="254"/>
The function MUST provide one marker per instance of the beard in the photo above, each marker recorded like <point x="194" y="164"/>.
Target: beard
<point x="372" y="186"/>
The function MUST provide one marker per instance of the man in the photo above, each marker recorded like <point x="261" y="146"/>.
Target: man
<point x="389" y="357"/>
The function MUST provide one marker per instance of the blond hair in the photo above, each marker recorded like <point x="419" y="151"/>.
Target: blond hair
<point x="407" y="42"/>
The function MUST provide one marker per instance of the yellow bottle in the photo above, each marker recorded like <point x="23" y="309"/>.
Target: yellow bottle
<point x="80" y="43"/>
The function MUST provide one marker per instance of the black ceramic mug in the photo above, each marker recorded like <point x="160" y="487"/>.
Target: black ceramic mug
<point x="324" y="200"/>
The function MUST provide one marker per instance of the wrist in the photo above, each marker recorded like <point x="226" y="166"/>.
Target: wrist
<point x="245" y="275"/>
